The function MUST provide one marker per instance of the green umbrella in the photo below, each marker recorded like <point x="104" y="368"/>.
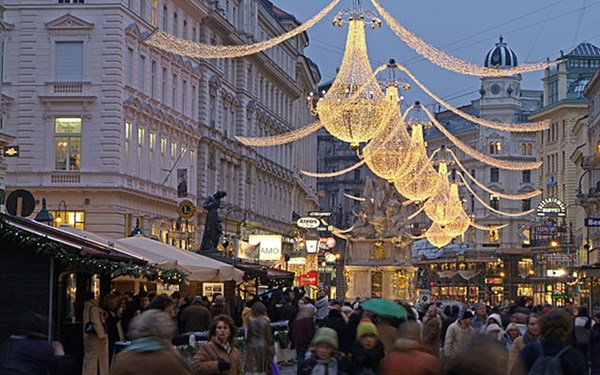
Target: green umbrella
<point x="384" y="307"/>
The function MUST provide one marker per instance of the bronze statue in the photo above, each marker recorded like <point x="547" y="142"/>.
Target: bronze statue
<point x="212" y="228"/>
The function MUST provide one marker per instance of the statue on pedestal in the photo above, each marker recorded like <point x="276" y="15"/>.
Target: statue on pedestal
<point x="212" y="228"/>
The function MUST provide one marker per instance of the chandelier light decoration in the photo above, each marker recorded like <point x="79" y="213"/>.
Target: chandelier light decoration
<point x="444" y="205"/>
<point x="171" y="43"/>
<point x="450" y="62"/>
<point x="514" y="197"/>
<point x="436" y="236"/>
<point x="355" y="108"/>
<point x="503" y="164"/>
<point x="459" y="225"/>
<point x="392" y="154"/>
<point x="420" y="183"/>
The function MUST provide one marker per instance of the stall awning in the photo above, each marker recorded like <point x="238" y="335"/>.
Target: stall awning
<point x="198" y="267"/>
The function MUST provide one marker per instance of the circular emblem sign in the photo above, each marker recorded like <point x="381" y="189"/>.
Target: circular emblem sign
<point x="186" y="209"/>
<point x="308" y="222"/>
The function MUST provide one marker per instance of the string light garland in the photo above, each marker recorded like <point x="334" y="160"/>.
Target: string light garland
<point x="488" y="228"/>
<point x="515" y="197"/>
<point x="502" y="164"/>
<point x="281" y="139"/>
<point x="516" y="128"/>
<point x="354" y="109"/>
<point x="391" y="154"/>
<point x="24" y="240"/>
<point x="358" y="199"/>
<point x="436" y="236"/>
<point x="484" y="204"/>
<point x="448" y="61"/>
<point x="333" y="174"/>
<point x="171" y="43"/>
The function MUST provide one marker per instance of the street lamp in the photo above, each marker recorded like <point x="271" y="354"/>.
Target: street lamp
<point x="44" y="216"/>
<point x="61" y="215"/>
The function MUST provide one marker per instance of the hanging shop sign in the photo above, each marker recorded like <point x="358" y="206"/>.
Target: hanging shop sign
<point x="186" y="209"/>
<point x="312" y="246"/>
<point x="308" y="222"/>
<point x="310" y="278"/>
<point x="551" y="207"/>
<point x="270" y="245"/>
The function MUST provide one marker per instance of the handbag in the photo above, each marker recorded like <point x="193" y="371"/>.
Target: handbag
<point x="89" y="326"/>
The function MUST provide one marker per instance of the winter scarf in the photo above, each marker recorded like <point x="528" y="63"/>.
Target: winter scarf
<point x="146" y="344"/>
<point x="325" y="367"/>
<point x="528" y="338"/>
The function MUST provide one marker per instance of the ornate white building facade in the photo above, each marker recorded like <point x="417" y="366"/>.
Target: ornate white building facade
<point x="109" y="127"/>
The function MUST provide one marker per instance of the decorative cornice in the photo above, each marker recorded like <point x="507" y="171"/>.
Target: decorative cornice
<point x="69" y="22"/>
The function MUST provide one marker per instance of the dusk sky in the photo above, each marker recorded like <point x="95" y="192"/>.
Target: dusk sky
<point x="468" y="29"/>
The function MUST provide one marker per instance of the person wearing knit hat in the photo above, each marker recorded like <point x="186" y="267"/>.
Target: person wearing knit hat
<point x="322" y="357"/>
<point x="493" y="331"/>
<point x="367" y="351"/>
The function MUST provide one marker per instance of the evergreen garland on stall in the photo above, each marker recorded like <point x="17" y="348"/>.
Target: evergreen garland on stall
<point x="27" y="241"/>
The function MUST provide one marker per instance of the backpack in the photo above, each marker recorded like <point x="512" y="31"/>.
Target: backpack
<point x="547" y="365"/>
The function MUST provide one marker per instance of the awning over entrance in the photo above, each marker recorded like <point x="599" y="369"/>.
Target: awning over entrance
<point x="198" y="267"/>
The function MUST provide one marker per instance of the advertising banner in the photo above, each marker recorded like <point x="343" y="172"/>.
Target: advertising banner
<point x="269" y="245"/>
<point x="310" y="278"/>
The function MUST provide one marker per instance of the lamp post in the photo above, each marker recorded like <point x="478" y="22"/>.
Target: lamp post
<point x="44" y="216"/>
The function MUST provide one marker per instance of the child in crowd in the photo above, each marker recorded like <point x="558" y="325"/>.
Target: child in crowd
<point x="367" y="351"/>
<point x="323" y="357"/>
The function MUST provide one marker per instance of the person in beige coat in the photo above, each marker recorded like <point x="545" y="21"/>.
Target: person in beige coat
<point x="531" y="336"/>
<point x="219" y="355"/>
<point x="459" y="335"/>
<point x="95" y="345"/>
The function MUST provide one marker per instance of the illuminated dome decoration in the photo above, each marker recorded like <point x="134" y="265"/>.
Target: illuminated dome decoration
<point x="355" y="108"/>
<point x="444" y="205"/>
<point x="500" y="57"/>
<point x="392" y="154"/>
<point x="436" y="236"/>
<point x="459" y="225"/>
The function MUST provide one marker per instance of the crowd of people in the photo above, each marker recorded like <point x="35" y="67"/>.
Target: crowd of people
<point x="329" y="337"/>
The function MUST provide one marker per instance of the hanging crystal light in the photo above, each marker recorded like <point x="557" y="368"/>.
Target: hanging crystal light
<point x="436" y="236"/>
<point x="459" y="225"/>
<point x="444" y="205"/>
<point x="392" y="154"/>
<point x="422" y="181"/>
<point x="355" y="108"/>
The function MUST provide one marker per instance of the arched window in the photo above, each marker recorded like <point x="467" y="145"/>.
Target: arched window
<point x="523" y="149"/>
<point x="498" y="147"/>
<point x="529" y="149"/>
<point x="492" y="148"/>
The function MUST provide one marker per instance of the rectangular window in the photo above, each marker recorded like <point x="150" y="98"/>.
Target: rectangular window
<point x="69" y="61"/>
<point x="494" y="175"/>
<point x="67" y="132"/>
<point x="128" y="135"/>
<point x="163" y="94"/>
<point x="163" y="151"/>
<point x="165" y="19"/>
<point x="526" y="177"/>
<point x="185" y="27"/>
<point x="130" y="66"/>
<point x="74" y="219"/>
<point x="175" y="21"/>
<point x="495" y="202"/>
<point x="142" y="74"/>
<point x="140" y="151"/>
<point x="213" y="108"/>
<point x="143" y="9"/>
<point x="174" y="91"/>
<point x="152" y="148"/>
<point x="184" y="97"/>
<point x="154" y="14"/>
<point x="194" y="103"/>
<point x="526" y="205"/>
<point x="153" y="80"/>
